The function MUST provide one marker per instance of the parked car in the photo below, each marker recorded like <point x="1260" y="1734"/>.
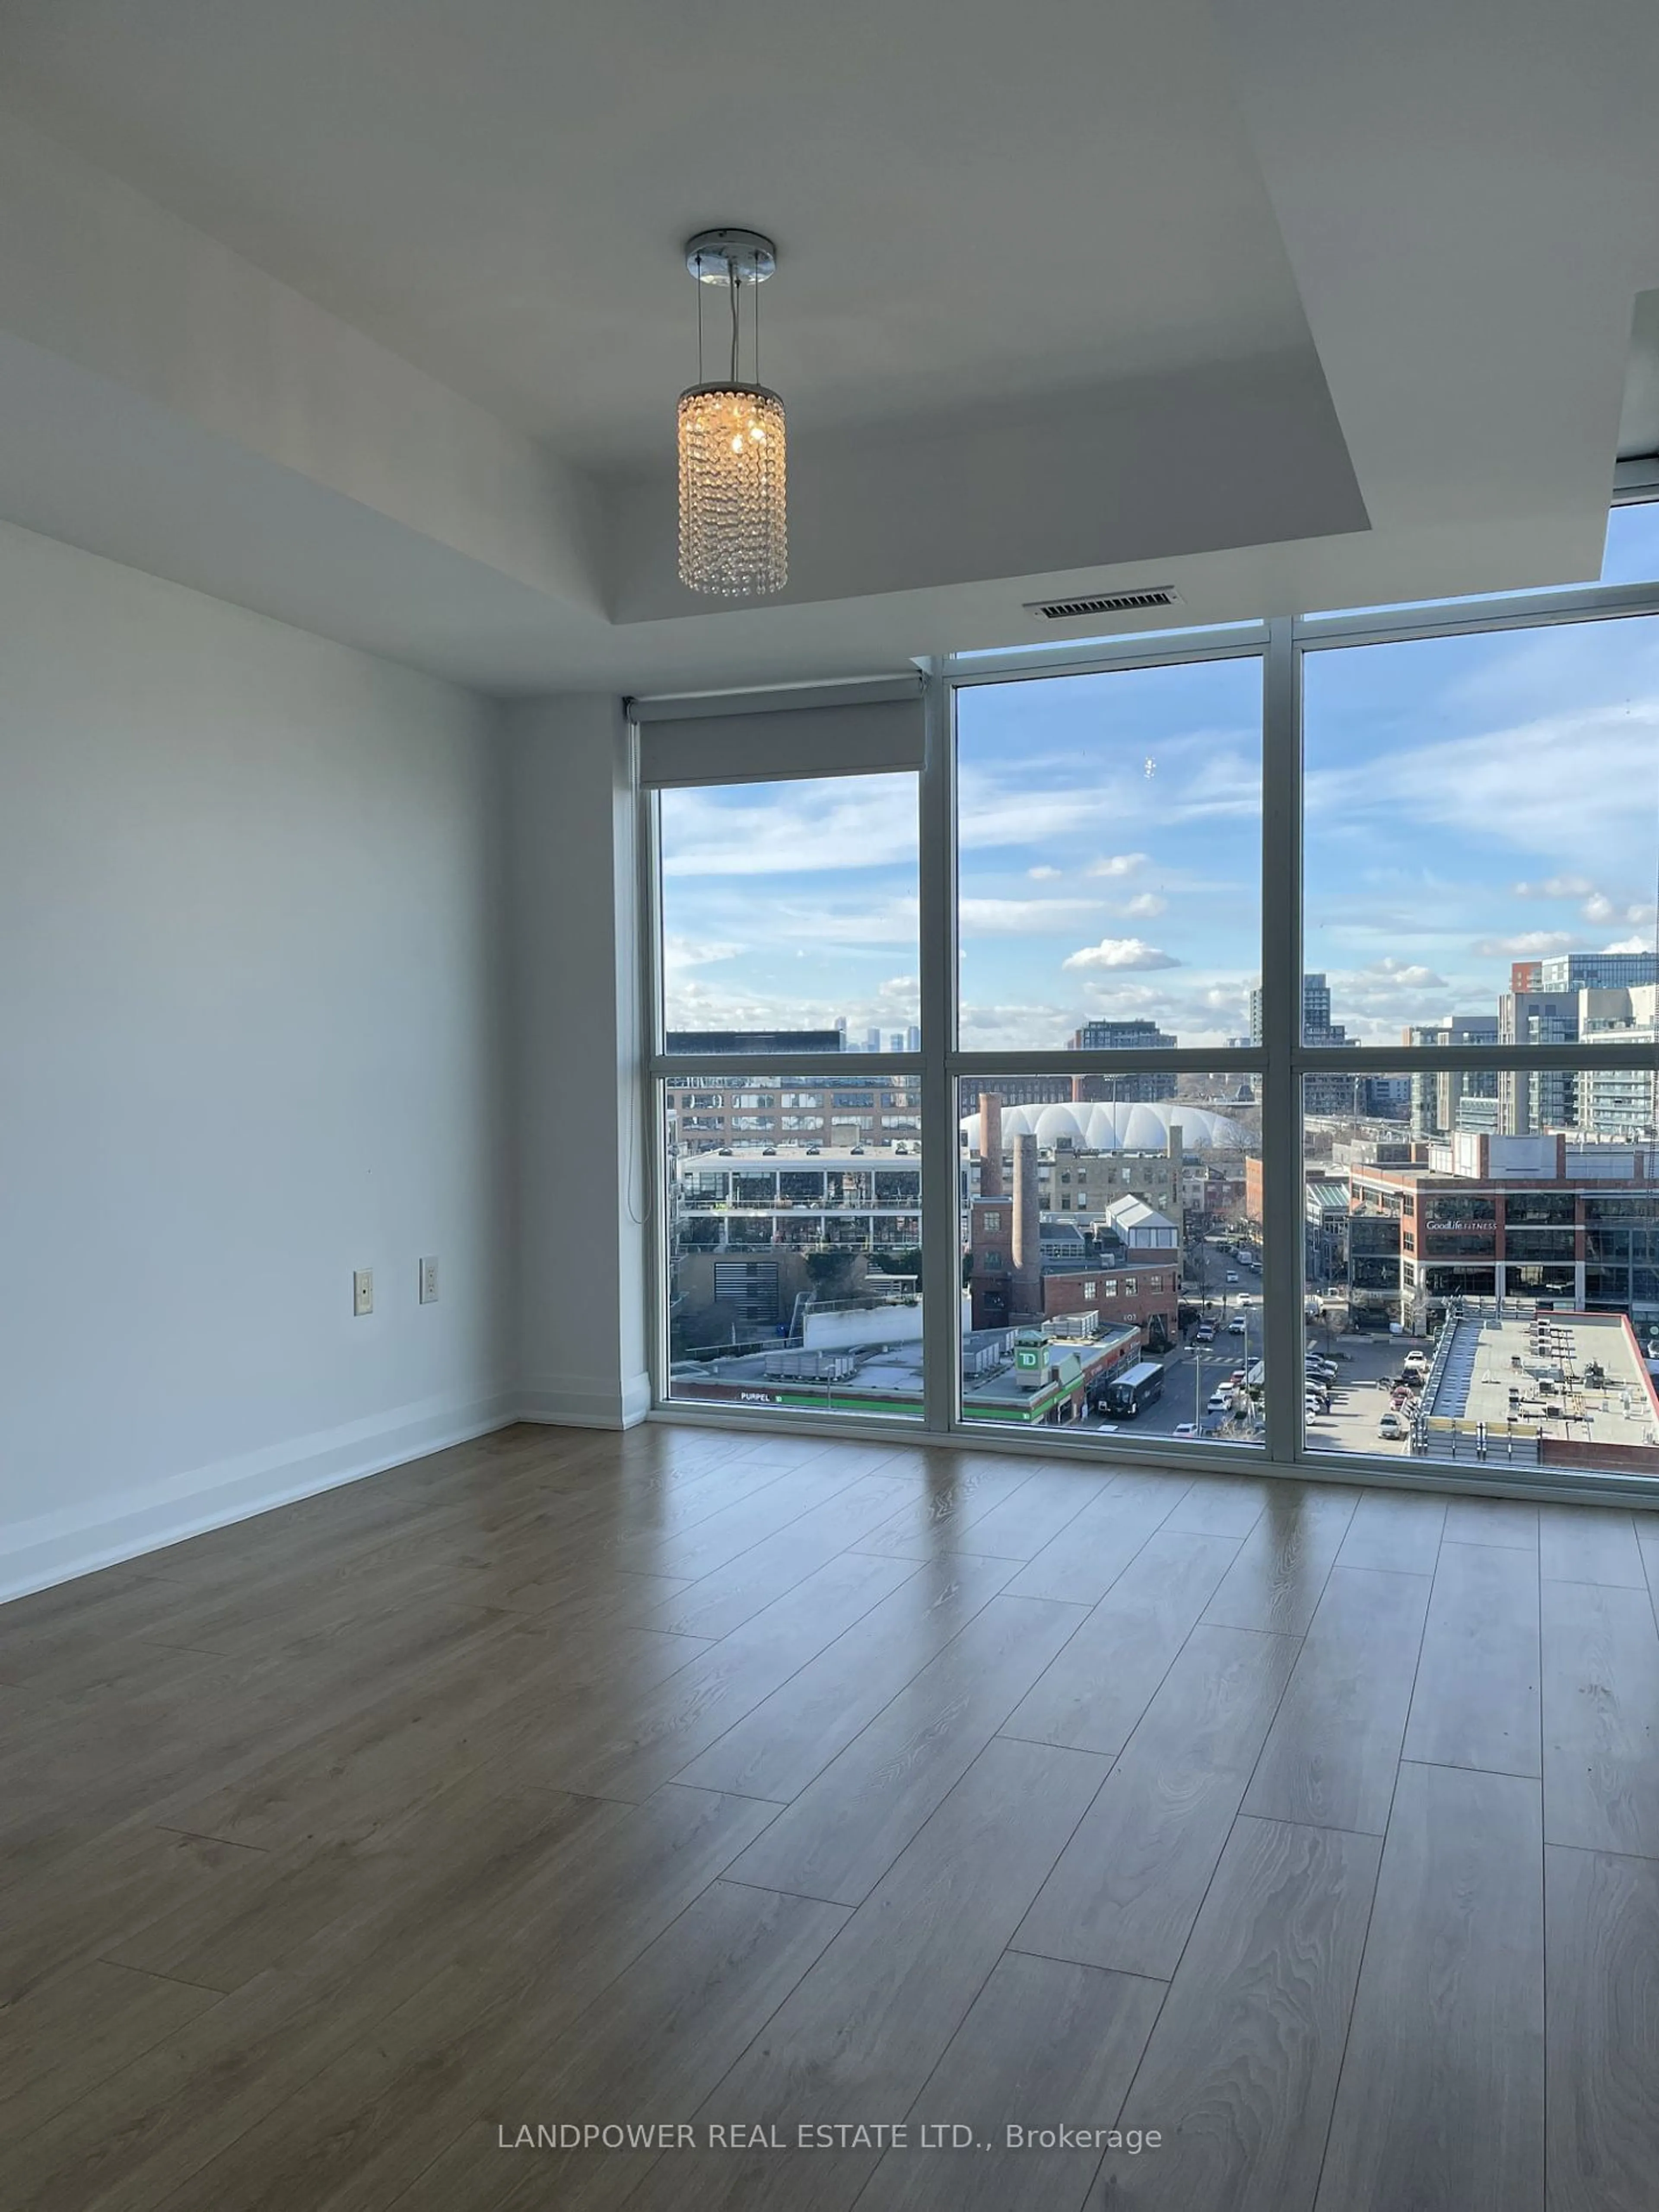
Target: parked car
<point x="1394" y="1426"/>
<point x="1233" y="1275"/>
<point x="1185" y="1429"/>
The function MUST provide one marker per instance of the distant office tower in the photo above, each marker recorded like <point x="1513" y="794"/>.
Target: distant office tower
<point x="1598" y="971"/>
<point x="896" y="1041"/>
<point x="913" y="1038"/>
<point x="1544" y="1100"/>
<point x="1125" y="1036"/>
<point x="1425" y="1090"/>
<point x="1438" y="1096"/>
<point x="1580" y="995"/>
<point x="1320" y="1094"/>
<point x="873" y="1040"/>
<point x="1623" y="1101"/>
<point x="1317" y="1027"/>
<point x="1387" y="1098"/>
<point x="1122" y="1036"/>
<point x="841" y="1025"/>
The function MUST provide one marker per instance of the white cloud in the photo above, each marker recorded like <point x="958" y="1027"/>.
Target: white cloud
<point x="1120" y="952"/>
<point x="1556" y="887"/>
<point x="1001" y="917"/>
<point x="1043" y="875"/>
<point x="1146" y="906"/>
<point x="786" y="829"/>
<point x="1228" y="782"/>
<point x="1375" y="1003"/>
<point x="1118" y="864"/>
<point x="690" y="1004"/>
<point x="1629" y="944"/>
<point x="1526" y="786"/>
<point x="679" y="953"/>
<point x="1598" y="905"/>
<point x="1017" y="1029"/>
<point x="1407" y="972"/>
<point x="1529" y="946"/>
<point x="891" y="922"/>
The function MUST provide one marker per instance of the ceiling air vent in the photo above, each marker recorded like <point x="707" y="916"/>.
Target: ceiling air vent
<point x="1106" y="603"/>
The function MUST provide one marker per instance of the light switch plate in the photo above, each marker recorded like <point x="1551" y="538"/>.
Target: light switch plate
<point x="429" y="1281"/>
<point x="363" y="1291"/>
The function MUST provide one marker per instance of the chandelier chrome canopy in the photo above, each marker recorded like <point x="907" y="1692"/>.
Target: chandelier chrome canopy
<point x="733" y="517"/>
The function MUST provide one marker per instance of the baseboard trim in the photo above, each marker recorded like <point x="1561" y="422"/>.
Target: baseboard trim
<point x="574" y="1403"/>
<point x="56" y="1548"/>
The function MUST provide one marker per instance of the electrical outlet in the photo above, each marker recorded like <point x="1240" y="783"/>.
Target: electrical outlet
<point x="363" y="1291"/>
<point x="429" y="1282"/>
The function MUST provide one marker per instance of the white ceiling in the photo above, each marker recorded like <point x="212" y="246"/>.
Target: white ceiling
<point x="967" y="199"/>
<point x="371" y="313"/>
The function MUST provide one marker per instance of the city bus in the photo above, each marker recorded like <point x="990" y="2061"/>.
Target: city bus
<point x="1131" y="1393"/>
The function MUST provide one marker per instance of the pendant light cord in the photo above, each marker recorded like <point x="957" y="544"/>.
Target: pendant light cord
<point x="735" y="281"/>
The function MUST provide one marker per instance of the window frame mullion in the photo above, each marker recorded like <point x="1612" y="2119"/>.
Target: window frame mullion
<point x="1281" y="1038"/>
<point x="941" y="1239"/>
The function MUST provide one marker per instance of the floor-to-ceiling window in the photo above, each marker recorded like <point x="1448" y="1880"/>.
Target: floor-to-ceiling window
<point x="1106" y="1084"/>
<point x="1480" y="1126"/>
<point x="787" y="1101"/>
<point x="1284" y="1002"/>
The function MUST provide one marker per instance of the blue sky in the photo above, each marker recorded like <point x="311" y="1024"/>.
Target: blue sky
<point x="1470" y="801"/>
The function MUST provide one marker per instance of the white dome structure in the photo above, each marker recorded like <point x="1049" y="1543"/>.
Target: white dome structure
<point x="1115" y="1125"/>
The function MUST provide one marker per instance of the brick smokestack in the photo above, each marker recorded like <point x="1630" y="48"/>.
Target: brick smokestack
<point x="1025" y="1290"/>
<point x="990" y="1144"/>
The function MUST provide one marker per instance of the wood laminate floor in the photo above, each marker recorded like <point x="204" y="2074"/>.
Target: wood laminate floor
<point x="682" y="1781"/>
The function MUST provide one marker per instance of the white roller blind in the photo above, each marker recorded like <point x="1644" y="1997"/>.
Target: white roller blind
<point x="764" y="737"/>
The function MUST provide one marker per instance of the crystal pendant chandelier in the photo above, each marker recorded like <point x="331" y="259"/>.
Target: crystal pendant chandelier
<point x="733" y="523"/>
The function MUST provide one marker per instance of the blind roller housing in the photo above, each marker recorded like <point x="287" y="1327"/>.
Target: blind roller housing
<point x="866" y="729"/>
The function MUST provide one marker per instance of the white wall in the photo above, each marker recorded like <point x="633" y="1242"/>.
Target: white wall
<point x="583" y="1239"/>
<point x="253" y="1034"/>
